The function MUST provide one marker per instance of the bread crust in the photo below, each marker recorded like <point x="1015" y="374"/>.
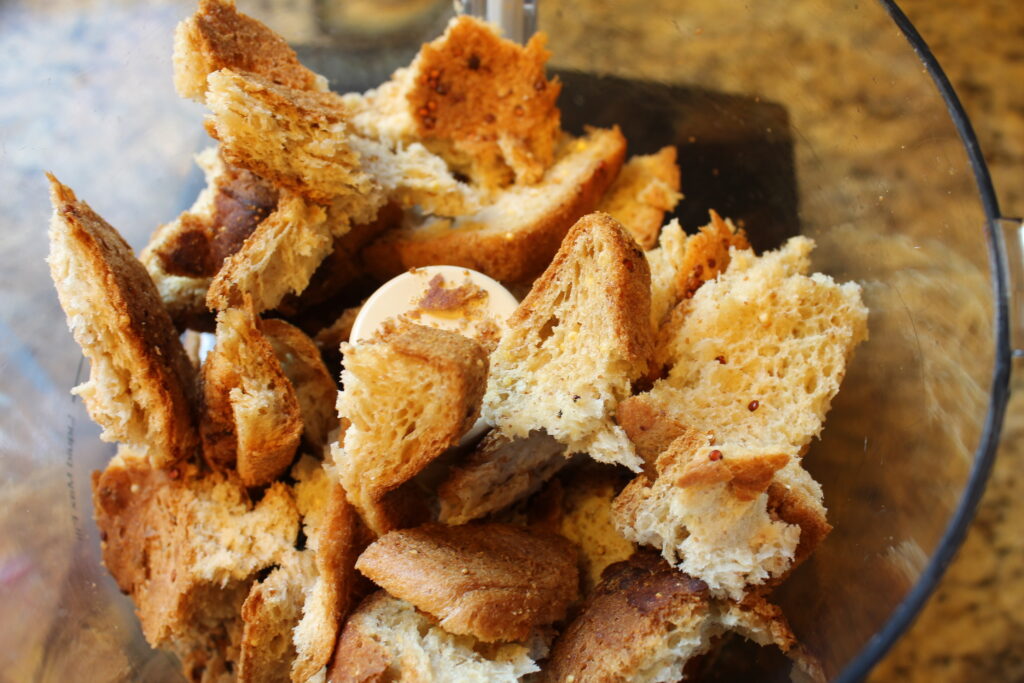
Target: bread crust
<point x="252" y="421"/>
<point x="646" y="188"/>
<point x="184" y="544"/>
<point x="495" y="582"/>
<point x="218" y="37"/>
<point x="141" y="385"/>
<point x="636" y="602"/>
<point x="376" y="458"/>
<point x="485" y="104"/>
<point x="504" y="240"/>
<point x="496" y="474"/>
<point x="315" y="390"/>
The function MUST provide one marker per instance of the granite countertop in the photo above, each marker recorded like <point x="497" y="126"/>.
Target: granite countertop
<point x="971" y="629"/>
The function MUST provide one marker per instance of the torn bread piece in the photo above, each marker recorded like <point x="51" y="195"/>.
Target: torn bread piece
<point x="756" y="362"/>
<point x="184" y="255"/>
<point x="185" y="545"/>
<point x="336" y="537"/>
<point x="141" y="384"/>
<point x="587" y="520"/>
<point x="500" y="471"/>
<point x="495" y="582"/>
<point x="269" y="613"/>
<point x="708" y="514"/>
<point x="315" y="391"/>
<point x="387" y="639"/>
<point x="252" y="419"/>
<point x="396" y="428"/>
<point x="292" y="617"/>
<point x="279" y="257"/>
<point x="645" y="621"/>
<point x="482" y="103"/>
<point x="647" y="187"/>
<point x="575" y="345"/>
<point x="682" y="263"/>
<point x="302" y="141"/>
<point x="762" y="349"/>
<point x="515" y="236"/>
<point x="219" y="37"/>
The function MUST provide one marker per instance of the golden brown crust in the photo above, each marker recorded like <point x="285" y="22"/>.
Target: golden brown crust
<point x="298" y="139"/>
<point x="340" y="541"/>
<point x="125" y="331"/>
<point x="646" y="188"/>
<point x="651" y="429"/>
<point x="315" y="391"/>
<point x="485" y="104"/>
<point x="627" y="285"/>
<point x="792" y="507"/>
<point x="218" y="37"/>
<point x="251" y="415"/>
<point x="269" y="613"/>
<point x="396" y="430"/>
<point x="495" y="582"/>
<point x="358" y="657"/>
<point x="635" y="603"/>
<point x="160" y="530"/>
<point x="507" y="249"/>
<point x="706" y="255"/>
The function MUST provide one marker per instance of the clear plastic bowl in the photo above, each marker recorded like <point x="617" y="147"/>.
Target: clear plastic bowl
<point x="831" y="120"/>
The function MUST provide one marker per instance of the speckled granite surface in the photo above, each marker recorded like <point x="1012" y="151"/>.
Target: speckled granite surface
<point x="971" y="630"/>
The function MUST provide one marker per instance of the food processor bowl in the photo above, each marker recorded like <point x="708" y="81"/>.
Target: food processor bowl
<point x="798" y="117"/>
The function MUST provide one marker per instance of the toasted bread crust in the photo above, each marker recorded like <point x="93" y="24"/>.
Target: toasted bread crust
<point x="646" y="188"/>
<point x="359" y="657"/>
<point x="311" y="126"/>
<point x="489" y="99"/>
<point x="155" y="527"/>
<point x="252" y="420"/>
<point x="279" y="257"/>
<point x="379" y="404"/>
<point x="651" y="429"/>
<point x="499" y="472"/>
<point x="315" y="391"/>
<point x="218" y="37"/>
<point x="125" y="332"/>
<point x="519" y="250"/>
<point x="636" y="602"/>
<point x="495" y="582"/>
<point x="627" y="285"/>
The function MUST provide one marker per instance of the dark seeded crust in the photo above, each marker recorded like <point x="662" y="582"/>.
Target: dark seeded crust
<point x="506" y="255"/>
<point x="495" y="582"/>
<point x="631" y="292"/>
<point x="143" y="342"/>
<point x="217" y="36"/>
<point x="636" y="600"/>
<point x="490" y="100"/>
